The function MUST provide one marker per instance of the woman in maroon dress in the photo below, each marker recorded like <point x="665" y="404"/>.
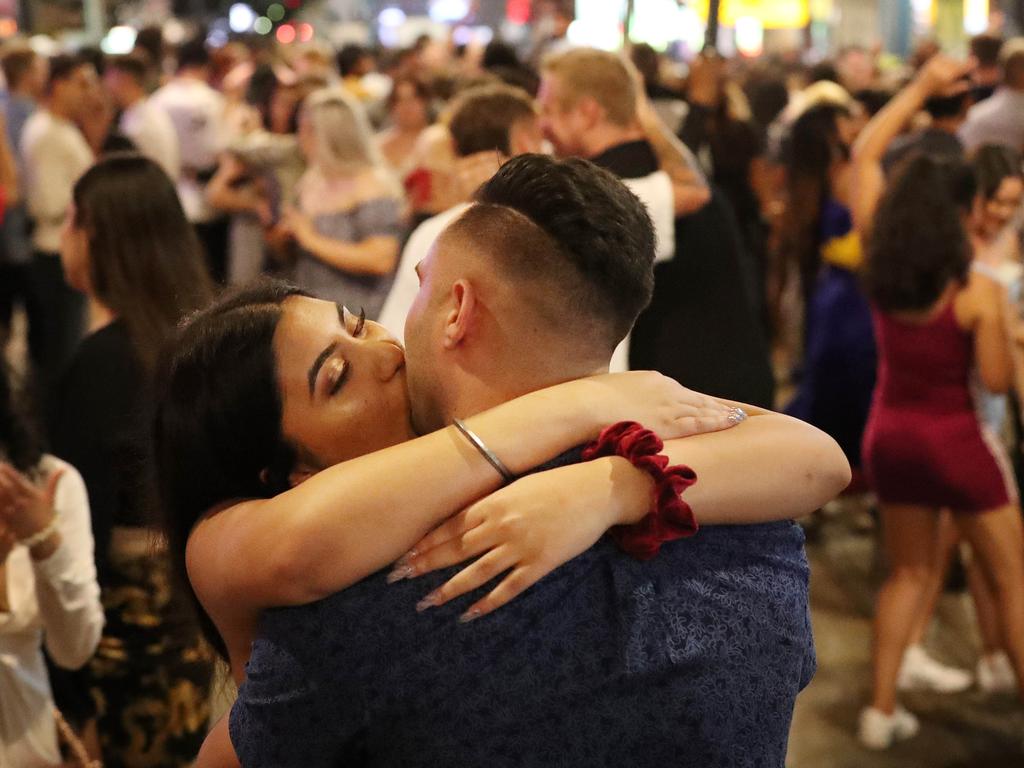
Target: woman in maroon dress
<point x="936" y="322"/>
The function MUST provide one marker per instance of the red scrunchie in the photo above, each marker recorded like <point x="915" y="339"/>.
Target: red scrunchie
<point x="670" y="518"/>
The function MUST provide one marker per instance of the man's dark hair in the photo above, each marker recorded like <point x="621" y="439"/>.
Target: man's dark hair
<point x="575" y="231"/>
<point x="133" y="65"/>
<point x="949" y="106"/>
<point x="62" y="68"/>
<point x="985" y="48"/>
<point x="193" y="54"/>
<point x="482" y="118"/>
<point x="16" y="63"/>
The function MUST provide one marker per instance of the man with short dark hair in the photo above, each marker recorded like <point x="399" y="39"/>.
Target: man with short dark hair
<point x="986" y="76"/>
<point x="488" y="125"/>
<point x="144" y="123"/>
<point x="55" y="153"/>
<point x="26" y="73"/>
<point x="693" y="658"/>
<point x="197" y="113"/>
<point x="999" y="119"/>
<point x="939" y="139"/>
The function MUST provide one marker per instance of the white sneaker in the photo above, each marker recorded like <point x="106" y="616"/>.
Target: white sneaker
<point x="920" y="672"/>
<point x="995" y="673"/>
<point x="880" y="731"/>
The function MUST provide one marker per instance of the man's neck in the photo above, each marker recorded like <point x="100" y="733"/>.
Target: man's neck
<point x="477" y="394"/>
<point x="607" y="136"/>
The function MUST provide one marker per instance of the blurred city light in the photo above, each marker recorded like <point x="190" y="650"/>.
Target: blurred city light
<point x="449" y="10"/>
<point x="263" y="25"/>
<point x="286" y="34"/>
<point x="241" y="17"/>
<point x="118" y="40"/>
<point x="749" y="36"/>
<point x="975" y="16"/>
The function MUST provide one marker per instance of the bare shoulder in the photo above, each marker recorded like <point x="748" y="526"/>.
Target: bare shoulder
<point x="977" y="299"/>
<point x="211" y="546"/>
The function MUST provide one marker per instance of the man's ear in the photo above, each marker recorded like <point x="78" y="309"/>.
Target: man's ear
<point x="461" y="314"/>
<point x="592" y="112"/>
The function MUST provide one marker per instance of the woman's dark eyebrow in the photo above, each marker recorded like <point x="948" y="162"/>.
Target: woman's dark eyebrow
<point x="314" y="369"/>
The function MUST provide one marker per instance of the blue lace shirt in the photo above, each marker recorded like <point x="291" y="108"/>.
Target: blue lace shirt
<point x="694" y="658"/>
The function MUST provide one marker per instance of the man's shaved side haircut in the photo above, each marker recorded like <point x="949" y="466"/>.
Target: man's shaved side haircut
<point x="575" y="235"/>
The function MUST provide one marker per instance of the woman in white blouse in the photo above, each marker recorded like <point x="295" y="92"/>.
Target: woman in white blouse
<point x="48" y="589"/>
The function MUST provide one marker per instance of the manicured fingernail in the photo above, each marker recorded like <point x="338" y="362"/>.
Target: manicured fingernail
<point x="737" y="415"/>
<point x="404" y="559"/>
<point x="468" y="616"/>
<point x="427" y="602"/>
<point x="400" y="572"/>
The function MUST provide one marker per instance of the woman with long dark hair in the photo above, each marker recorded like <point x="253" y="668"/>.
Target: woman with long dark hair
<point x="821" y="248"/>
<point x="925" y="448"/>
<point x="127" y="246"/>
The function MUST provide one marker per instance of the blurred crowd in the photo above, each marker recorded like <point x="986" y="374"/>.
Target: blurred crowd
<point x="813" y="221"/>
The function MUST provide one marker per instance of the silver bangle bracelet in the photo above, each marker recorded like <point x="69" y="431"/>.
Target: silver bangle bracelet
<point x="484" y="451"/>
<point x="39" y="537"/>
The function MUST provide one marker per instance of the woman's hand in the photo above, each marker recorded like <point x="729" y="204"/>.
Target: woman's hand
<point x="25" y="507"/>
<point x="657" y="402"/>
<point x="527" y="529"/>
<point x="944" y="75"/>
<point x="298" y="225"/>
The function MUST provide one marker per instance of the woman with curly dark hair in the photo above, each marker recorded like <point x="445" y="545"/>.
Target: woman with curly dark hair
<point x="936" y="321"/>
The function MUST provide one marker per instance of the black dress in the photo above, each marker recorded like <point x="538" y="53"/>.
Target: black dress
<point x="701" y="327"/>
<point x="149" y="682"/>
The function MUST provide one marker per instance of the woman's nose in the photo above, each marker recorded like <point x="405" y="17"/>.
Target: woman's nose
<point x="389" y="359"/>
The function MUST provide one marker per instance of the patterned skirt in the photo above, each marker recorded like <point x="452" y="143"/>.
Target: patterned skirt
<point x="149" y="683"/>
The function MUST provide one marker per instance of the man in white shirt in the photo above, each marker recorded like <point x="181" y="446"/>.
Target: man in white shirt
<point x="146" y="124"/>
<point x="54" y="154"/>
<point x="489" y="125"/>
<point x="999" y="119"/>
<point x="197" y="113"/>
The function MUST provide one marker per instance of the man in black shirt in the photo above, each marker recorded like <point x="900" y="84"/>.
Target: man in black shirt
<point x="701" y="327"/>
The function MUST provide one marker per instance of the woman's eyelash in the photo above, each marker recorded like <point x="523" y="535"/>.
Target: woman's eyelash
<point x="360" y="322"/>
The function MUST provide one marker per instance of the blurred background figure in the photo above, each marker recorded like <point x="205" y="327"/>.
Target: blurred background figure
<point x="197" y="112"/>
<point x="347" y="221"/>
<point x="141" y="121"/>
<point x="49" y="597"/>
<point x="128" y="248"/>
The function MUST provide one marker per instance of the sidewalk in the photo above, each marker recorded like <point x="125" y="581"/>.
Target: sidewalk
<point x="967" y="730"/>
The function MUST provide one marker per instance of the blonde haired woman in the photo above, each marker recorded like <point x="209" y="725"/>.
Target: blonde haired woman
<point x="348" y="216"/>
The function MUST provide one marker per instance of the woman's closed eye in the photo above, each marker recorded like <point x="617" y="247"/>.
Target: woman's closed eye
<point x="337" y="373"/>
